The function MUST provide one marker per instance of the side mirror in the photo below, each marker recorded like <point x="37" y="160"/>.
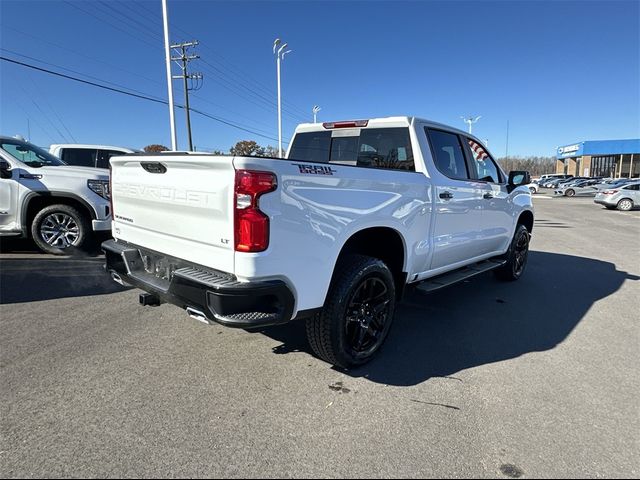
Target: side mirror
<point x="518" y="178"/>
<point x="5" y="169"/>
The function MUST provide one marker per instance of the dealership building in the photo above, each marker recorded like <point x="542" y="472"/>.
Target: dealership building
<point x="600" y="158"/>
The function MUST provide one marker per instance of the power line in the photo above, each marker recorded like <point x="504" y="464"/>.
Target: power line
<point x="43" y="96"/>
<point x="70" y="70"/>
<point x="75" y="52"/>
<point x="143" y="97"/>
<point x="234" y="85"/>
<point x="101" y="20"/>
<point x="241" y="75"/>
<point x="112" y="66"/>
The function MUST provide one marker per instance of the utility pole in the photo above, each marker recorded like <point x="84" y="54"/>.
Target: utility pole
<point x="182" y="59"/>
<point x="167" y="51"/>
<point x="506" y="150"/>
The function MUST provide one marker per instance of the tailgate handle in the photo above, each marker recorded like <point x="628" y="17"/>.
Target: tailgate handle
<point x="153" y="167"/>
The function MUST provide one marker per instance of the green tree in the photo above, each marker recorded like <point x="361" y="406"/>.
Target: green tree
<point x="155" y="148"/>
<point x="247" y="148"/>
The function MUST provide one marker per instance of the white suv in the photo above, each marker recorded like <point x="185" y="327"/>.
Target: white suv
<point x="43" y="198"/>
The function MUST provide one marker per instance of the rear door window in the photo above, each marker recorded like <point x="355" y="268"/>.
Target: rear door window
<point x="386" y="148"/>
<point x="448" y="154"/>
<point x="82" y="157"/>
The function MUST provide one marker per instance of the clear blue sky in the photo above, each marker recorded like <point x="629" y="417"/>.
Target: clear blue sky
<point x="558" y="71"/>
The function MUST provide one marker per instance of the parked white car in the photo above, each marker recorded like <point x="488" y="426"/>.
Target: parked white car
<point x="41" y="197"/>
<point x="83" y="155"/>
<point x="533" y="188"/>
<point x="333" y="233"/>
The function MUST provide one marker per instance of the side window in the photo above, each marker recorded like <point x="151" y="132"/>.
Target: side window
<point x="448" y="154"/>
<point x="81" y="157"/>
<point x="633" y="187"/>
<point x="104" y="156"/>
<point x="388" y="148"/>
<point x="486" y="169"/>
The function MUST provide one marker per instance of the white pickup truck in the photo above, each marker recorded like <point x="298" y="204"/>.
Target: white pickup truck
<point x="334" y="233"/>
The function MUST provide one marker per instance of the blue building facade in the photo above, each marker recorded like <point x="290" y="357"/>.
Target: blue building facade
<point x="600" y="158"/>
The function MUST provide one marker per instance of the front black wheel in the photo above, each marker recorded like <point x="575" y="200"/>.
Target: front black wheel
<point x="516" y="256"/>
<point x="358" y="313"/>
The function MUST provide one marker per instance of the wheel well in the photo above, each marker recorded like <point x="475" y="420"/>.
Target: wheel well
<point x="526" y="219"/>
<point x="39" y="202"/>
<point x="384" y="244"/>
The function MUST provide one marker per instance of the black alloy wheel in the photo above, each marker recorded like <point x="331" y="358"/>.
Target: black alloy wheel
<point x="367" y="314"/>
<point x="357" y="315"/>
<point x="516" y="257"/>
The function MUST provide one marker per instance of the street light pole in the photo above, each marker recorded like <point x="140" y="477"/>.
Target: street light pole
<point x="278" y="48"/>
<point x="172" y="120"/>
<point x="315" y="111"/>
<point x="471" y="120"/>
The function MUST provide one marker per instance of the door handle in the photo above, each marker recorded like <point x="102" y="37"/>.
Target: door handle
<point x="488" y="196"/>
<point x="446" y="195"/>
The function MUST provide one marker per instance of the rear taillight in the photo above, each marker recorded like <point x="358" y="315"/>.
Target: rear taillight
<point x="609" y="192"/>
<point x="251" y="225"/>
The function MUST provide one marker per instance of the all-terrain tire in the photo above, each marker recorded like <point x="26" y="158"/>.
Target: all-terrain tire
<point x="335" y="333"/>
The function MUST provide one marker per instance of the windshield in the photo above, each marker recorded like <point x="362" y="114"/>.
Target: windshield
<point x="30" y="154"/>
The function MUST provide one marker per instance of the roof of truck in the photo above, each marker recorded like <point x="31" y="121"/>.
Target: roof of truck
<point x="397" y="121"/>
<point x="98" y="147"/>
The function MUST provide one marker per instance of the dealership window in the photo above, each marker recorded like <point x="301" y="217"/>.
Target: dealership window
<point x="604" y="166"/>
<point x="625" y="168"/>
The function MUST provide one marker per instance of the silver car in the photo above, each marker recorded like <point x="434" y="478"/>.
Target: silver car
<point x="579" y="187"/>
<point x="624" y="197"/>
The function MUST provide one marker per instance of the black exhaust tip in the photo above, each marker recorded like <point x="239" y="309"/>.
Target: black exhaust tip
<point x="149" y="300"/>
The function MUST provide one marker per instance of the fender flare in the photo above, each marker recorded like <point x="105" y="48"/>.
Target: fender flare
<point x="24" y="207"/>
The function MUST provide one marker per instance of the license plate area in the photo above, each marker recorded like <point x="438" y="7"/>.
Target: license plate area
<point x="153" y="268"/>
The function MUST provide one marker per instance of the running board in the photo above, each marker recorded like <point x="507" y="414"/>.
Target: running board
<point x="449" y="278"/>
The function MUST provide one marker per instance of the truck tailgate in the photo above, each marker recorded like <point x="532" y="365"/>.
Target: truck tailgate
<point x="178" y="205"/>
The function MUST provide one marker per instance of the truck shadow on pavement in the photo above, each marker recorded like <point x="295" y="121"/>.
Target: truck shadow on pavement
<point x="482" y="320"/>
<point x="44" y="277"/>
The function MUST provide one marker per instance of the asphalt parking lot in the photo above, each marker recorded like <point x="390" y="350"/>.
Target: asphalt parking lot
<point x="537" y="378"/>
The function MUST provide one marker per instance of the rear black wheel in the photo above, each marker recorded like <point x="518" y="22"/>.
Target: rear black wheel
<point x="357" y="316"/>
<point x="516" y="256"/>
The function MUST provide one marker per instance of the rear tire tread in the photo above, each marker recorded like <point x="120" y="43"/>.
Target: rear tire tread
<point x="319" y="327"/>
